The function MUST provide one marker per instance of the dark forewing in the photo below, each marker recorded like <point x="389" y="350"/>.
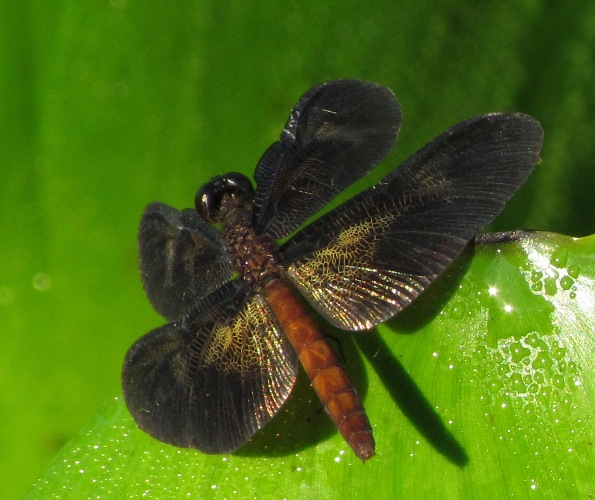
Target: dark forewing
<point x="336" y="133"/>
<point x="366" y="260"/>
<point x="182" y="259"/>
<point x="212" y="379"/>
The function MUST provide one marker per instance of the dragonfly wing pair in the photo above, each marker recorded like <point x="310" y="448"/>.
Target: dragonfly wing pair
<point x="366" y="260"/>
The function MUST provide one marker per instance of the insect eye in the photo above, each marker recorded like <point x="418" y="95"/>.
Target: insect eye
<point x="216" y="198"/>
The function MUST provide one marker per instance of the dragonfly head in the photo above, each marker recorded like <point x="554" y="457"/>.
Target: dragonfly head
<point x="225" y="197"/>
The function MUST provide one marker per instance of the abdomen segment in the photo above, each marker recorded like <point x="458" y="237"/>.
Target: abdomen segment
<point x="329" y="379"/>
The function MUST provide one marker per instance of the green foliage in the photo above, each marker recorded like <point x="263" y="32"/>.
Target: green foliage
<point x="494" y="394"/>
<point x="107" y="106"/>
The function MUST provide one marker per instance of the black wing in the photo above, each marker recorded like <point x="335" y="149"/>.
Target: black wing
<point x="363" y="262"/>
<point x="335" y="134"/>
<point x="211" y="380"/>
<point x="182" y="259"/>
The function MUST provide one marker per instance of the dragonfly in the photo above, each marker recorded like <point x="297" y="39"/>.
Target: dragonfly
<point x="233" y="276"/>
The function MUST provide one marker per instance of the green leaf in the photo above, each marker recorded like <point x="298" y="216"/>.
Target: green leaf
<point x="486" y="384"/>
<point x="106" y="106"/>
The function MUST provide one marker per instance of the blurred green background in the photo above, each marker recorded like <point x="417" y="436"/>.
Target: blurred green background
<point x="106" y="106"/>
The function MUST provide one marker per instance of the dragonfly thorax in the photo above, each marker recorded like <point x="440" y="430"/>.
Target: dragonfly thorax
<point x="228" y="200"/>
<point x="252" y="255"/>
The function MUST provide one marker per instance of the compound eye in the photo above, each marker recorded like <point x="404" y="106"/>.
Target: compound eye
<point x="221" y="195"/>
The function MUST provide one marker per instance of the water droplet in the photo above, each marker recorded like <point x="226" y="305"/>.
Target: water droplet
<point x="516" y="381"/>
<point x="565" y="404"/>
<point x="503" y="369"/>
<point x="464" y="287"/>
<point x="566" y="282"/>
<point x="536" y="276"/>
<point x="41" y="282"/>
<point x="573" y="271"/>
<point x="485" y="399"/>
<point x="543" y="361"/>
<point x="541" y="345"/>
<point x="518" y="352"/>
<point x="545" y="395"/>
<point x="558" y="381"/>
<point x="7" y="296"/>
<point x="495" y="386"/>
<point x="457" y="312"/>
<point x="550" y="286"/>
<point x="559" y="258"/>
<point x="537" y="286"/>
<point x="559" y="354"/>
<point x="538" y="378"/>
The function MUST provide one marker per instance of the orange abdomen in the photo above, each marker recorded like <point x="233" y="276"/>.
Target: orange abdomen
<point x="329" y="379"/>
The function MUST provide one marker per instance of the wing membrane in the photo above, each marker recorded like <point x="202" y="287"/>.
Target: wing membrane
<point x="335" y="134"/>
<point x="182" y="259"/>
<point x="211" y="380"/>
<point x="369" y="258"/>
